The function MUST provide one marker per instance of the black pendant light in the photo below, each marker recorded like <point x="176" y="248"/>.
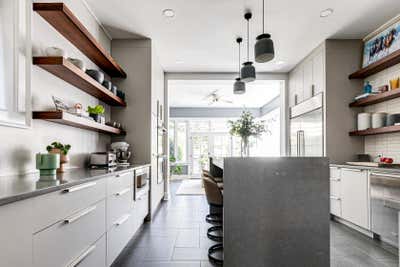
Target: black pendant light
<point x="239" y="87"/>
<point x="248" y="72"/>
<point x="264" y="48"/>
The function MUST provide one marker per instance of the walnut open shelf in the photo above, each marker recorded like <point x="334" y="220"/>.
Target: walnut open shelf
<point x="378" y="66"/>
<point x="70" y="73"/>
<point x="374" y="99"/>
<point x="65" y="22"/>
<point x="375" y="131"/>
<point x="66" y="118"/>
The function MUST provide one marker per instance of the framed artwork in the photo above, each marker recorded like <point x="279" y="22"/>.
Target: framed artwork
<point x="15" y="63"/>
<point x="382" y="44"/>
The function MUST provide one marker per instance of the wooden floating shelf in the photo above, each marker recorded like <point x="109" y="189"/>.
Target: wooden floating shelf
<point x="66" y="118"/>
<point x="378" y="66"/>
<point x="374" y="99"/>
<point x="65" y="22"/>
<point x="375" y="131"/>
<point x="70" y="73"/>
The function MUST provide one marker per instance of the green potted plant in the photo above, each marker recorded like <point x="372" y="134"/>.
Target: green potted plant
<point x="245" y="127"/>
<point x="62" y="150"/>
<point x="96" y="113"/>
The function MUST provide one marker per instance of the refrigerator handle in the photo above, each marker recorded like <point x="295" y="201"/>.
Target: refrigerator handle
<point x="298" y="144"/>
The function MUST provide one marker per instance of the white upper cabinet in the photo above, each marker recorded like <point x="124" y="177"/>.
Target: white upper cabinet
<point x="318" y="69"/>
<point x="308" y="79"/>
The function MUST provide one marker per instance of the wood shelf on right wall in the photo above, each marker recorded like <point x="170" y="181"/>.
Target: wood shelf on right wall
<point x="377" y="66"/>
<point x="374" y="99"/>
<point x="375" y="131"/>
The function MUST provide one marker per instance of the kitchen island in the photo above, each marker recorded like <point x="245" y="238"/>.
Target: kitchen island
<point x="267" y="216"/>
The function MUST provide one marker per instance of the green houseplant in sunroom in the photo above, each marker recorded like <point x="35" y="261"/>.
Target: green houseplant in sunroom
<point x="246" y="127"/>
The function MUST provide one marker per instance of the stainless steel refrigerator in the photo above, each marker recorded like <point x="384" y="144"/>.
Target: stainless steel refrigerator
<point x="307" y="128"/>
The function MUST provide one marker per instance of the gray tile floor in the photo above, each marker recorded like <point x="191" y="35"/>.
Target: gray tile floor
<point x="177" y="238"/>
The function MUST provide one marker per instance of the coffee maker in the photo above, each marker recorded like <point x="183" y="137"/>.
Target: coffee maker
<point x="123" y="154"/>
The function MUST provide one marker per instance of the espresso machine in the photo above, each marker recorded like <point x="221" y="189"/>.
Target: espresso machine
<point x="121" y="150"/>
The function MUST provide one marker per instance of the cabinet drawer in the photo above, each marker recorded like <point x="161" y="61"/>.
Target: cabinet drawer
<point x="51" y="208"/>
<point x="336" y="206"/>
<point x="64" y="241"/>
<point x="93" y="256"/>
<point x="118" y="236"/>
<point x="118" y="204"/>
<point x="335" y="187"/>
<point x="334" y="173"/>
<point x="142" y="206"/>
<point x="118" y="182"/>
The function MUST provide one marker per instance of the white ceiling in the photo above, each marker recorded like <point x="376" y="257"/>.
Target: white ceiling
<point x="202" y="33"/>
<point x="193" y="93"/>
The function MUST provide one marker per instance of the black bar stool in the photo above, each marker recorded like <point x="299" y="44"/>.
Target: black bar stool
<point x="214" y="198"/>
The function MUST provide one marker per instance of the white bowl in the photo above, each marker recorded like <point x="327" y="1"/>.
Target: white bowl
<point x="77" y="62"/>
<point x="53" y="51"/>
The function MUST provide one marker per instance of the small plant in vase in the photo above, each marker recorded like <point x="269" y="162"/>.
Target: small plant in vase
<point x="96" y="113"/>
<point x="245" y="127"/>
<point x="58" y="148"/>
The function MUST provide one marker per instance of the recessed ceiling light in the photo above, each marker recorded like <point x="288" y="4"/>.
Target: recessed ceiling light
<point x="169" y="13"/>
<point x="326" y="12"/>
<point x="279" y="62"/>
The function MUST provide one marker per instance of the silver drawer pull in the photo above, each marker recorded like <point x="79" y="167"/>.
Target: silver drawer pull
<point x="122" y="220"/>
<point x="335" y="198"/>
<point x="122" y="192"/>
<point x="354" y="170"/>
<point x="79" y="187"/>
<point x="335" y="179"/>
<point x="82" y="257"/>
<point x="385" y="175"/>
<point x="75" y="217"/>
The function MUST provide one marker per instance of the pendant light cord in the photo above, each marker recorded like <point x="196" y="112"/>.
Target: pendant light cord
<point x="239" y="58"/>
<point x="248" y="57"/>
<point x="263" y="17"/>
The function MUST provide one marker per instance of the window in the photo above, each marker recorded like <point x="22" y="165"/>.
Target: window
<point x="181" y="142"/>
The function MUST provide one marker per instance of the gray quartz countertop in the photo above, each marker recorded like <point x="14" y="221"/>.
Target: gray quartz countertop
<point x="19" y="187"/>
<point x="377" y="169"/>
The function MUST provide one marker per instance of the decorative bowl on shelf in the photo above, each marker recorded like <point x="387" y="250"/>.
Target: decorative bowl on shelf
<point x="95" y="74"/>
<point x="114" y="89"/>
<point x="107" y="84"/>
<point x="53" y="51"/>
<point x="77" y="62"/>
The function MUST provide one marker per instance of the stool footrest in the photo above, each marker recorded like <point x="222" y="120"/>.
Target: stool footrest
<point x="213" y="252"/>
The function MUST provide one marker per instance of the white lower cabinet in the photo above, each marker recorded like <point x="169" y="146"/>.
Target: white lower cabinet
<point x="355" y="197"/>
<point x="349" y="195"/>
<point x="16" y="234"/>
<point x="85" y="225"/>
<point x="118" y="236"/>
<point x="335" y="192"/>
<point x="94" y="255"/>
<point x="63" y="242"/>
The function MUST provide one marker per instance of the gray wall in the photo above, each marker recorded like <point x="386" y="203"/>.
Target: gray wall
<point x="144" y="86"/>
<point x="342" y="58"/>
<point x="18" y="146"/>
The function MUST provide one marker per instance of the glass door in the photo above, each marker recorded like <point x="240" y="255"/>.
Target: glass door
<point x="199" y="153"/>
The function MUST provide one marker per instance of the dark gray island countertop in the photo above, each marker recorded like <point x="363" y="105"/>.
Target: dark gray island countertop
<point x="19" y="187"/>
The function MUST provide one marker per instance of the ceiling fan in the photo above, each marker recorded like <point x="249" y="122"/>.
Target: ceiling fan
<point x="215" y="98"/>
